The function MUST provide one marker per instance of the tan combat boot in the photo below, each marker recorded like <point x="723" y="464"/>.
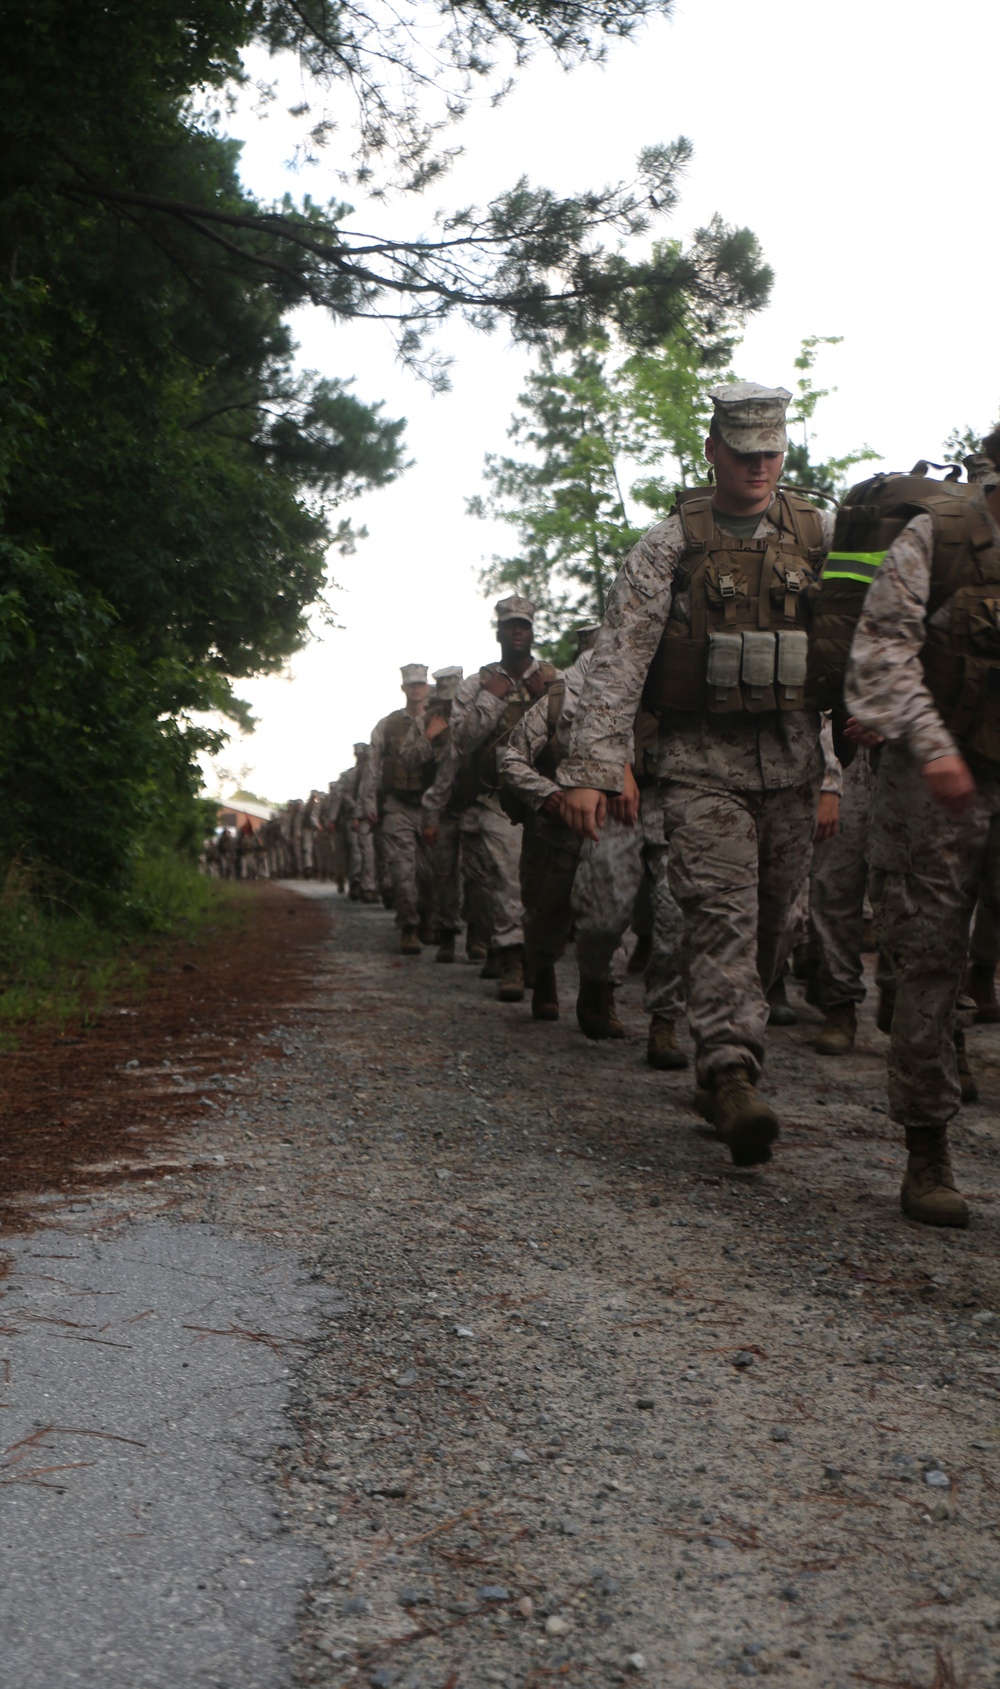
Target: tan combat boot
<point x="446" y="948"/>
<point x="838" y="1032"/>
<point x="511" y="987"/>
<point x="595" y="1010"/>
<point x="409" y="943"/>
<point x="662" y="1048"/>
<point x="742" y="1122"/>
<point x="966" y="1077"/>
<point x="928" y="1191"/>
<point x="491" y="967"/>
<point x="544" y="995"/>
<point x="980" y="985"/>
<point x="427" y="932"/>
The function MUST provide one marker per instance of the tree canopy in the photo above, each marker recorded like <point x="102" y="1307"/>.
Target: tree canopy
<point x="171" y="484"/>
<point x="605" y="431"/>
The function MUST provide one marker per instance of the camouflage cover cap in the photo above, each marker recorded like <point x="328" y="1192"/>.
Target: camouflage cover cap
<point x="361" y="747"/>
<point x="751" y="418"/>
<point x="982" y="470"/>
<point x="515" y="610"/>
<point x="414" y="674"/>
<point x="586" y="637"/>
<point x="447" y="680"/>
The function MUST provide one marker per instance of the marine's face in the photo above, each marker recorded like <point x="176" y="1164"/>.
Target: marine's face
<point x="746" y="480"/>
<point x="418" y="692"/>
<point x="515" y="637"/>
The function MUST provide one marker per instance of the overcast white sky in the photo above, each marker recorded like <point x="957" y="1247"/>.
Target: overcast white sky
<point x="857" y="140"/>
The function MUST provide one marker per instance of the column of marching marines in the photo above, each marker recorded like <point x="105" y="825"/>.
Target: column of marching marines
<point x="782" y="716"/>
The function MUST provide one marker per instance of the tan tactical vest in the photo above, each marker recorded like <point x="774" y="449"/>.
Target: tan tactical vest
<point x="962" y="659"/>
<point x="477" y="772"/>
<point x="747" y="644"/>
<point x="396" y="778"/>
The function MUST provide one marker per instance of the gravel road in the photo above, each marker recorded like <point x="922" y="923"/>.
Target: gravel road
<point x="580" y="1402"/>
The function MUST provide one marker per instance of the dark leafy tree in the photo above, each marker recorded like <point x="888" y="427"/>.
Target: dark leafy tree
<point x="590" y="423"/>
<point x="170" y="485"/>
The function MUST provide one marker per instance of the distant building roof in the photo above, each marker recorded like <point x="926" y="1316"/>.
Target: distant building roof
<point x="243" y="806"/>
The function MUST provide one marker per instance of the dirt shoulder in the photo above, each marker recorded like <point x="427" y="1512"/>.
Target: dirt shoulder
<point x="596" y="1407"/>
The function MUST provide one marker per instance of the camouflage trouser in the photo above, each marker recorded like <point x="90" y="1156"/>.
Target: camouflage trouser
<point x="549" y="856"/>
<point x="444" y="861"/>
<point x="736" y="865"/>
<point x="837" y="884"/>
<point x="926" y="870"/>
<point x="368" y="877"/>
<point x="353" y="855"/>
<point x="664" y="985"/>
<point x="616" y="877"/>
<point x="491" y="851"/>
<point x="474" y="907"/>
<point x="383" y="879"/>
<point x="338" y="856"/>
<point x="604" y="893"/>
<point x="406" y="859"/>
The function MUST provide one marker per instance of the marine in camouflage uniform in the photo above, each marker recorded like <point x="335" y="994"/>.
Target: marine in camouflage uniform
<point x="486" y="706"/>
<point x="590" y="886"/>
<point x="440" y="832"/>
<point x="398" y="770"/>
<point x="738" y="753"/>
<point x="343" y="816"/>
<point x="838" y="878"/>
<point x="550" y="851"/>
<point x="363" y="831"/>
<point x="935" y="833"/>
<point x="628" y="876"/>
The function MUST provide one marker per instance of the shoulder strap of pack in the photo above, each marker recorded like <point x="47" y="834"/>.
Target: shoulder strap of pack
<point x="697" y="520"/>
<point x="556" y="698"/>
<point x="792" y="512"/>
<point x="548" y="672"/>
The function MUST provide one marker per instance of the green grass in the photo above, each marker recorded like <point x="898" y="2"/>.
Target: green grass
<point x="60" y="965"/>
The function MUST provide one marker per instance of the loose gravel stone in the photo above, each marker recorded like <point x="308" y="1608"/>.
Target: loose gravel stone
<point x="654" y="1534"/>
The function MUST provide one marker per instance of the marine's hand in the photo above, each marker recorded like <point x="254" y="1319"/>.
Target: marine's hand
<point x="553" y="805"/>
<point x="949" y="781"/>
<point x="859" y="735"/>
<point x="373" y="817"/>
<point x="625" y="806"/>
<point x="435" y="727"/>
<point x="827" y="817"/>
<point x="497" y="684"/>
<point x="535" y="683"/>
<point x="430" y="837"/>
<point x="584" y="810"/>
<point x="355" y="826"/>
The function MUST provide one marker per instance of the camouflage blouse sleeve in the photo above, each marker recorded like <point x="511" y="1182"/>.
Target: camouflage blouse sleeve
<point x="474" y="714"/>
<point x="368" y="786"/>
<point x="885" y="686"/>
<point x="517" y="760"/>
<point x="637" y="610"/>
<point x="439" y="790"/>
<point x="833" y="774"/>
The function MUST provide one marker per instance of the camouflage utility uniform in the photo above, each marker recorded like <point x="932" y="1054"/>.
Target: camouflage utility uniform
<point x="491" y="843"/>
<point x="399" y="766"/>
<point x="926" y="865"/>
<point x="738" y="795"/>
